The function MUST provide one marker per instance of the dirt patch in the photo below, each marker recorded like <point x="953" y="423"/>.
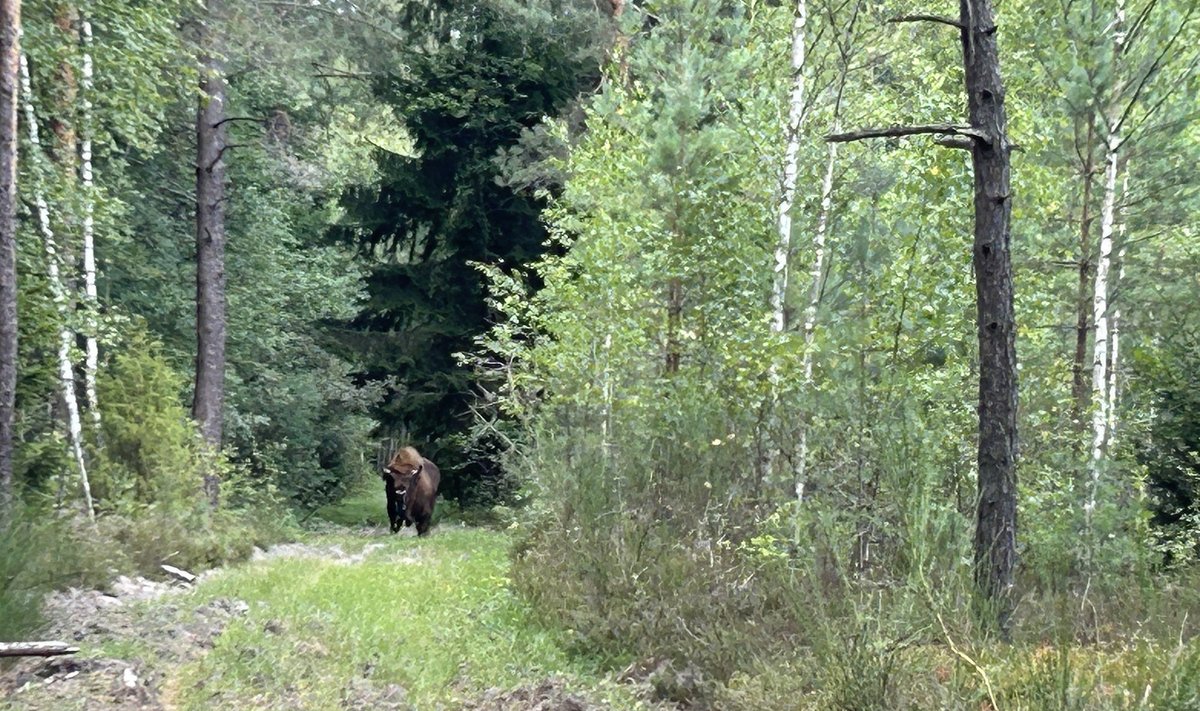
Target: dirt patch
<point x="548" y="695"/>
<point x="331" y="553"/>
<point x="367" y="694"/>
<point x="148" y="637"/>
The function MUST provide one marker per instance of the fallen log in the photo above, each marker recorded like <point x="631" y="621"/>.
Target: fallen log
<point x="35" y="649"/>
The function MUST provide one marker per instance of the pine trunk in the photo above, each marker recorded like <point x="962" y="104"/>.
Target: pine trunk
<point x="58" y="291"/>
<point x="209" y="397"/>
<point x="996" y="520"/>
<point x="1079" y="390"/>
<point x="10" y="30"/>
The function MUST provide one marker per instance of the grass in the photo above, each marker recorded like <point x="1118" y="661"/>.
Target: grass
<point x="365" y="505"/>
<point x="434" y="616"/>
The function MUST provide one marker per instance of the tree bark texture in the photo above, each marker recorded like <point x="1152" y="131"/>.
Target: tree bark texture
<point x="10" y="30"/>
<point x="1083" y="313"/>
<point x="59" y="293"/>
<point x="674" y="324"/>
<point x="91" y="300"/>
<point x="1100" y="314"/>
<point x="211" y="143"/>
<point x="791" y="168"/>
<point x="996" y="519"/>
<point x="1114" y="360"/>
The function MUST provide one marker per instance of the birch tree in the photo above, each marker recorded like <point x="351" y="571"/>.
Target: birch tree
<point x="817" y="272"/>
<point x="58" y="290"/>
<point x="91" y="303"/>
<point x="791" y="167"/>
<point x="10" y="30"/>
<point x="783" y="217"/>
<point x="1112" y="143"/>
<point x="1114" y="360"/>
<point x="1125" y="94"/>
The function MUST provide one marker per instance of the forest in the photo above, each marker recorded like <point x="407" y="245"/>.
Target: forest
<point x="774" y="354"/>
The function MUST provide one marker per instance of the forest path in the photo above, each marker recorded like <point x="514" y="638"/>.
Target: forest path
<point x="355" y="618"/>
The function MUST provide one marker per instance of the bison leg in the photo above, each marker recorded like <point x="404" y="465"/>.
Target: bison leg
<point x="394" y="507"/>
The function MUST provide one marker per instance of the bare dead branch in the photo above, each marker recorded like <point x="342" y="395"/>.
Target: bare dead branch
<point x="940" y="129"/>
<point x="937" y="19"/>
<point x="35" y="649"/>
<point x="355" y="18"/>
<point x="253" y="119"/>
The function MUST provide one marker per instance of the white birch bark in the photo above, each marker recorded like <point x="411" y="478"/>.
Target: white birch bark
<point x="58" y="292"/>
<point x="787" y="199"/>
<point x="91" y="302"/>
<point x="791" y="168"/>
<point x="1100" y="315"/>
<point x="1114" y="360"/>
<point x="814" y="299"/>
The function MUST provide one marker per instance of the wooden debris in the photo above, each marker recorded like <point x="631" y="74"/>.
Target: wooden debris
<point x="35" y="649"/>
<point x="179" y="573"/>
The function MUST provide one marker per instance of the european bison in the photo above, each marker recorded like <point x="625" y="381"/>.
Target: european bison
<point x="414" y="482"/>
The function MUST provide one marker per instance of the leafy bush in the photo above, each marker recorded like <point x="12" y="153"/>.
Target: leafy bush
<point x="150" y="449"/>
<point x="20" y="588"/>
<point x="40" y="552"/>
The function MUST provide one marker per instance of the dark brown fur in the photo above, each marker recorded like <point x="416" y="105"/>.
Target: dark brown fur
<point x="416" y="480"/>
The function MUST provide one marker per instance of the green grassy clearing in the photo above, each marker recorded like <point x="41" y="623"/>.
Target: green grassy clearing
<point x="364" y="505"/>
<point x="433" y="615"/>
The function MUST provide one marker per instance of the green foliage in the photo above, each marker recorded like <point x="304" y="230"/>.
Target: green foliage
<point x="22" y="550"/>
<point x="1171" y="451"/>
<point x="150" y="451"/>
<point x="470" y="102"/>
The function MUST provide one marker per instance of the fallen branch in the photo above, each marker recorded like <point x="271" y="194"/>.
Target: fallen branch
<point x="178" y="573"/>
<point x="35" y="649"/>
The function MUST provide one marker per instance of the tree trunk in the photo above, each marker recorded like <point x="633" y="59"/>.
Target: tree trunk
<point x="209" y="397"/>
<point x="66" y="371"/>
<point x="791" y="167"/>
<point x="1114" y="360"/>
<point x="1079" y="389"/>
<point x="91" y="302"/>
<point x="64" y="149"/>
<point x="674" y="324"/>
<point x="996" y="520"/>
<point x="1100" y="315"/>
<point x="767" y="462"/>
<point x="814" y="301"/>
<point x="817" y="274"/>
<point x="10" y="30"/>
